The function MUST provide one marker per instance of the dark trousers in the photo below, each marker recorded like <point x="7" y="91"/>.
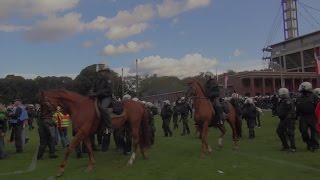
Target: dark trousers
<point x="285" y="132"/>
<point x="18" y="136"/>
<point x="258" y="123"/>
<point x="63" y="132"/>
<point x="106" y="120"/>
<point x="218" y="110"/>
<point x="46" y="139"/>
<point x="185" y="124"/>
<point x="2" y="151"/>
<point x="175" y="122"/>
<point x="306" y="123"/>
<point x="251" y="124"/>
<point x="125" y="140"/>
<point x="105" y="142"/>
<point x="166" y="127"/>
<point x="13" y="126"/>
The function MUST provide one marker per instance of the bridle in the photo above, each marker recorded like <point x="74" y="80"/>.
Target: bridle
<point x="192" y="94"/>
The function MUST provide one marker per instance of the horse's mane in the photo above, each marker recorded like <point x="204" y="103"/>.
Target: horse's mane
<point x="59" y="93"/>
<point x="199" y="84"/>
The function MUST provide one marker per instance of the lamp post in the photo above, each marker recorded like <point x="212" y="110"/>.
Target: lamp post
<point x="137" y="79"/>
<point x="122" y="82"/>
<point x="279" y="66"/>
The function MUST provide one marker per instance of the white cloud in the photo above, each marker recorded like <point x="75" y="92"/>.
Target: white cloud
<point x="55" y="28"/>
<point x="170" y="8"/>
<point x="237" y="52"/>
<point x="34" y="7"/>
<point x="130" y="47"/>
<point x="189" y="65"/>
<point x="119" y="32"/>
<point x="13" y="28"/>
<point x="55" y="24"/>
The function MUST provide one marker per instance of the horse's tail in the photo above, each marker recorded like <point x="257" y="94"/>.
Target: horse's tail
<point x="145" y="131"/>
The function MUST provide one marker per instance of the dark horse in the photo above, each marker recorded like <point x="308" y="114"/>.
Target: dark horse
<point x="85" y="121"/>
<point x="204" y="114"/>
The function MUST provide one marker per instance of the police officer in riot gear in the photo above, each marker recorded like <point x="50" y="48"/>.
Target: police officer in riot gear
<point x="306" y="105"/>
<point x="102" y="89"/>
<point x="286" y="112"/>
<point x="212" y="91"/>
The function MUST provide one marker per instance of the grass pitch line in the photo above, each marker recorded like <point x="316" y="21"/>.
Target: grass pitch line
<point x="278" y="161"/>
<point x="31" y="167"/>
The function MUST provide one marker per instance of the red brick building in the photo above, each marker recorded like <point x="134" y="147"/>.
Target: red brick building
<point x="291" y="62"/>
<point x="255" y="83"/>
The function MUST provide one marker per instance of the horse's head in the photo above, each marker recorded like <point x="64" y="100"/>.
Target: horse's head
<point x="46" y="106"/>
<point x="191" y="91"/>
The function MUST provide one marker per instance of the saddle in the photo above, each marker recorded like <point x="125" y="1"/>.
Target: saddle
<point x="225" y="114"/>
<point x="115" y="110"/>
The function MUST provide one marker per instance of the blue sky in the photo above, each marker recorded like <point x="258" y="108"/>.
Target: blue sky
<point x="168" y="37"/>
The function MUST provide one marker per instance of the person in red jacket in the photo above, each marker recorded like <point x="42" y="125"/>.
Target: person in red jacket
<point x="317" y="92"/>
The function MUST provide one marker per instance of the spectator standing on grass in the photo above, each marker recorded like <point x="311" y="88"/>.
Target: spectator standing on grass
<point x="3" y="129"/>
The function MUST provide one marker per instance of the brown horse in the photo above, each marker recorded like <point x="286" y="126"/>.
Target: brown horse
<point x="85" y="121"/>
<point x="204" y="114"/>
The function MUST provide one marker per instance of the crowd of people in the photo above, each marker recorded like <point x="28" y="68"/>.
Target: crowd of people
<point x="54" y="126"/>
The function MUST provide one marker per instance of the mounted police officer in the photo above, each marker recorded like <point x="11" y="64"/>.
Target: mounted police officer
<point x="306" y="105"/>
<point x="286" y="113"/>
<point x="102" y="89"/>
<point x="212" y="91"/>
<point x="185" y="108"/>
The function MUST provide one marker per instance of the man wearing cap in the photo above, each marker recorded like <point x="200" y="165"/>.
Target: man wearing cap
<point x="102" y="89"/>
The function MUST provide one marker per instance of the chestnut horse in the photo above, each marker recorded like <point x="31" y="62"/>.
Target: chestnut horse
<point x="85" y="121"/>
<point x="204" y="114"/>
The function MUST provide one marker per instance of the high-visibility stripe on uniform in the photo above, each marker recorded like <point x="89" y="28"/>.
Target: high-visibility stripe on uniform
<point x="61" y="119"/>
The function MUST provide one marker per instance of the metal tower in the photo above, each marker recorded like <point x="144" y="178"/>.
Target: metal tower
<point x="290" y="19"/>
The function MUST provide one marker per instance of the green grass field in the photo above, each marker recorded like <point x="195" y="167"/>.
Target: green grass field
<point x="177" y="158"/>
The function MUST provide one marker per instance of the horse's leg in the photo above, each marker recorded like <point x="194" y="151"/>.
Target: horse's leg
<point x="204" y="138"/>
<point x="90" y="154"/>
<point x="143" y="152"/>
<point x="206" y="131"/>
<point x="135" y="142"/>
<point x="77" y="139"/>
<point x="234" y="133"/>
<point x="223" y="132"/>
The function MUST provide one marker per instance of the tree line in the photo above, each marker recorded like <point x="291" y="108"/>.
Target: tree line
<point x="16" y="87"/>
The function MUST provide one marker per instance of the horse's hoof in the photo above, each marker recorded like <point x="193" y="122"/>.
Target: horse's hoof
<point x="89" y="169"/>
<point x="59" y="174"/>
<point x="129" y="163"/>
